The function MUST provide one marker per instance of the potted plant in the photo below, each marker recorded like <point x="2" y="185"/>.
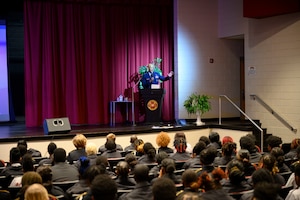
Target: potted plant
<point x="198" y="104"/>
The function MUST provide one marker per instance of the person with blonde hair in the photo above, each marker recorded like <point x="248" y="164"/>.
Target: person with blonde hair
<point x="28" y="179"/>
<point x="163" y="140"/>
<point x="36" y="192"/>
<point x="79" y="141"/>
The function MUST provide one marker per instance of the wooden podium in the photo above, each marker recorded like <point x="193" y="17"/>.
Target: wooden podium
<point x="153" y="99"/>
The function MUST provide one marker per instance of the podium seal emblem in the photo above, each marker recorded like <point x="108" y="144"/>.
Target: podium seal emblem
<point x="152" y="105"/>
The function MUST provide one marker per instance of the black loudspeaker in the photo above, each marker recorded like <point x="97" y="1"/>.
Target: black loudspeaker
<point x="56" y="125"/>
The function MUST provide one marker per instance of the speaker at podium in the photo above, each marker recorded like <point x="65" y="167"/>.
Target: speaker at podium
<point x="153" y="99"/>
<point x="56" y="126"/>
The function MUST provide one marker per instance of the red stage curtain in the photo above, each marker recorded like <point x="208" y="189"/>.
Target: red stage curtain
<point x="79" y="55"/>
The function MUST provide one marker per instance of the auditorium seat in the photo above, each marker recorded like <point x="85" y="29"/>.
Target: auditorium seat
<point x="65" y="185"/>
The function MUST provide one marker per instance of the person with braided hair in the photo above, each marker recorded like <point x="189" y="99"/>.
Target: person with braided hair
<point x="228" y="150"/>
<point x="190" y="183"/>
<point x="180" y="154"/>
<point x="149" y="154"/>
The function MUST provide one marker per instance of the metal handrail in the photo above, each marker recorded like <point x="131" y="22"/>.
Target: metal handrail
<point x="220" y="114"/>
<point x="255" y="97"/>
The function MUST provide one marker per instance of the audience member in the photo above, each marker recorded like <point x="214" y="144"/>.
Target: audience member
<point x="163" y="140"/>
<point x="123" y="180"/>
<point x="273" y="141"/>
<point x="61" y="170"/>
<point x="247" y="142"/>
<point x="164" y="189"/>
<point x="49" y="161"/>
<point x="46" y="173"/>
<point x="33" y="152"/>
<point x="237" y="181"/>
<point x="28" y="179"/>
<point x="180" y="154"/>
<point x="131" y="147"/>
<point x="189" y="148"/>
<point x="278" y="153"/>
<point x="142" y="189"/>
<point x="154" y="171"/>
<point x="79" y="141"/>
<point x="227" y="139"/>
<point x="167" y="168"/>
<point x="228" y="150"/>
<point x="110" y="136"/>
<point x="266" y="191"/>
<point x="204" y="139"/>
<point x="131" y="159"/>
<point x="194" y="162"/>
<point x="292" y="154"/>
<point x="103" y="187"/>
<point x="190" y="183"/>
<point x="139" y="147"/>
<point x="294" y="194"/>
<point x="149" y="154"/>
<point x="111" y="150"/>
<point x="27" y="165"/>
<point x="214" y="139"/>
<point x="36" y="192"/>
<point x="207" y="157"/>
<point x="243" y="155"/>
<point x="91" y="152"/>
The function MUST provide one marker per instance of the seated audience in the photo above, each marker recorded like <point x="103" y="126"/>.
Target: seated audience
<point x="164" y="189"/>
<point x="149" y="154"/>
<point x="154" y="171"/>
<point x="243" y="155"/>
<point x="103" y="187"/>
<point x="142" y="189"/>
<point x="111" y="150"/>
<point x="194" y="162"/>
<point x="91" y="155"/>
<point x="295" y="193"/>
<point x="247" y="142"/>
<point x="27" y="165"/>
<point x="181" y="135"/>
<point x="123" y="180"/>
<point x="131" y="147"/>
<point x="61" y="170"/>
<point x="204" y="139"/>
<point x="37" y="192"/>
<point x="167" y="169"/>
<point x="214" y="139"/>
<point x="139" y="147"/>
<point x="49" y="161"/>
<point x="292" y="154"/>
<point x="131" y="159"/>
<point x="180" y="154"/>
<point x="28" y="179"/>
<point x="79" y="141"/>
<point x="266" y="191"/>
<point x="110" y="136"/>
<point x="190" y="183"/>
<point x="237" y="181"/>
<point x="273" y="141"/>
<point x="163" y="140"/>
<point x="33" y="152"/>
<point x="228" y="150"/>
<point x="278" y="153"/>
<point x="207" y="157"/>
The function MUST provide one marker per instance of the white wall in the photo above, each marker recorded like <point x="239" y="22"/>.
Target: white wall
<point x="272" y="47"/>
<point x="196" y="41"/>
<point x="191" y="135"/>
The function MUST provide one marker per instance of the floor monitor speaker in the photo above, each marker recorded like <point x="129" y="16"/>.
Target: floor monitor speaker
<point x="56" y="125"/>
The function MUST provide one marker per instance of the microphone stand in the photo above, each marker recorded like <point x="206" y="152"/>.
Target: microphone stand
<point x="132" y="99"/>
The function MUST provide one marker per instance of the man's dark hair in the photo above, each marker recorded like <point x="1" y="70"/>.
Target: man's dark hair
<point x="59" y="155"/>
<point x="92" y="171"/>
<point x="51" y="147"/>
<point x="274" y="141"/>
<point x="207" y="156"/>
<point x="110" y="144"/>
<point x="205" y="139"/>
<point x="266" y="191"/>
<point x="199" y="147"/>
<point x="22" y="142"/>
<point x="214" y="137"/>
<point x="248" y="143"/>
<point x="14" y="155"/>
<point x="104" y="187"/>
<point x="27" y="163"/>
<point x="141" y="172"/>
<point x="164" y="189"/>
<point x="261" y="175"/>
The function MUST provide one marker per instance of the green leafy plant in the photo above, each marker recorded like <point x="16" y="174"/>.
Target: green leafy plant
<point x="197" y="102"/>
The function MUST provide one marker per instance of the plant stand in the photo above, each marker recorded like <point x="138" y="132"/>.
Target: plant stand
<point x="199" y="122"/>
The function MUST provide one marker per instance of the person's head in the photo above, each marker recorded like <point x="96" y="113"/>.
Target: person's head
<point x="141" y="172"/>
<point x="133" y="138"/>
<point x="14" y="155"/>
<point x="103" y="187"/>
<point x="168" y="166"/>
<point x="151" y="67"/>
<point x="207" y="156"/>
<point x="91" y="172"/>
<point x="139" y="145"/>
<point x="51" y="147"/>
<point x="122" y="169"/>
<point x="243" y="155"/>
<point x="149" y="150"/>
<point x="266" y="191"/>
<point x="22" y="142"/>
<point x="228" y="149"/>
<point x="214" y="137"/>
<point x="27" y="163"/>
<point x="30" y="178"/>
<point x="295" y="143"/>
<point x="205" y="139"/>
<point x="268" y="161"/>
<point x="189" y="196"/>
<point x="226" y="139"/>
<point x="160" y="156"/>
<point x="131" y="159"/>
<point x="110" y="145"/>
<point x="199" y="147"/>
<point x="163" y="139"/>
<point x="102" y="160"/>
<point x="111" y="136"/>
<point x="297" y="174"/>
<point x="164" y="189"/>
<point x="36" y="192"/>
<point x="46" y="173"/>
<point x="190" y="179"/>
<point x="59" y="155"/>
<point x="248" y="143"/>
<point x="179" y="135"/>
<point x="84" y="164"/>
<point x="180" y="145"/>
<point x="23" y="149"/>
<point x="278" y="153"/>
<point x="235" y="170"/>
<point x="79" y="141"/>
<point x="91" y="149"/>
<point x="273" y="141"/>
<point x="261" y="175"/>
<point x="211" y="182"/>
